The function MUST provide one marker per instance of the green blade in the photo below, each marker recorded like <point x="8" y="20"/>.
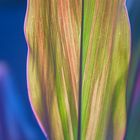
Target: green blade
<point x="55" y="36"/>
<point x="106" y="52"/>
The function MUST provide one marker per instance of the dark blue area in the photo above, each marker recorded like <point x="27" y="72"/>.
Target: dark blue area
<point x="13" y="51"/>
<point x="134" y="16"/>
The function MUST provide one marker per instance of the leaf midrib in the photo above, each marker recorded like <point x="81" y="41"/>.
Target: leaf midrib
<point x="80" y="75"/>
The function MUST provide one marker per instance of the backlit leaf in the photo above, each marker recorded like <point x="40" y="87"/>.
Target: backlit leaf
<point x="78" y="61"/>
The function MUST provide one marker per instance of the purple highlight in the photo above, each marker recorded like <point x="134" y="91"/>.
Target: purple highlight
<point x="136" y="91"/>
<point x="3" y="70"/>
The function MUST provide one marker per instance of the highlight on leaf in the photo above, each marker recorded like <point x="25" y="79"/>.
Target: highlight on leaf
<point x="78" y="58"/>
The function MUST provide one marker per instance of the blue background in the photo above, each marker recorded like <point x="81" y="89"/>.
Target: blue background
<point x="13" y="52"/>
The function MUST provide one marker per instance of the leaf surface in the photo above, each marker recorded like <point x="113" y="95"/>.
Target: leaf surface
<point x="56" y="36"/>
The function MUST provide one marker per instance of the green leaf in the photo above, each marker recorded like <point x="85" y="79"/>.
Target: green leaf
<point x="78" y="59"/>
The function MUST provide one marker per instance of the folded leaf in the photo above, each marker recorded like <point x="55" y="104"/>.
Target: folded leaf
<point x="78" y="61"/>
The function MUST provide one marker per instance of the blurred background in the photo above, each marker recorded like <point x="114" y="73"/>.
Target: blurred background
<point x="17" y="121"/>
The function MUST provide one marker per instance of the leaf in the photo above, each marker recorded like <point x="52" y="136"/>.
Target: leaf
<point x="78" y="61"/>
<point x="106" y="53"/>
